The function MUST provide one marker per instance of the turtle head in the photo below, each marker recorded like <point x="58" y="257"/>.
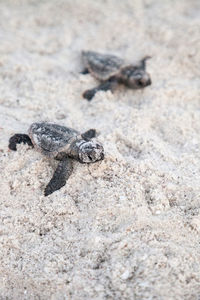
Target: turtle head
<point x="137" y="78"/>
<point x="90" y="151"/>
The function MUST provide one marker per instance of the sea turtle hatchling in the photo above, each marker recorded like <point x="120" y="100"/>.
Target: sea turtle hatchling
<point x="111" y="70"/>
<point x="63" y="144"/>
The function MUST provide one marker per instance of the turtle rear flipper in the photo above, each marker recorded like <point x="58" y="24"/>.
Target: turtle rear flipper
<point x="60" y="176"/>
<point x="102" y="66"/>
<point x="19" y="138"/>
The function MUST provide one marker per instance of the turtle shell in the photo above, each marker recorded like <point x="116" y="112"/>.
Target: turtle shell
<point x="102" y="66"/>
<point x="51" y="138"/>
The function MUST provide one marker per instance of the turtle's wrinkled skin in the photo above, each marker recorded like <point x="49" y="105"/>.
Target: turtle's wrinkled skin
<point x="63" y="144"/>
<point x="111" y="71"/>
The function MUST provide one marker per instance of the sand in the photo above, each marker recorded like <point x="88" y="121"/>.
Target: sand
<point x="127" y="227"/>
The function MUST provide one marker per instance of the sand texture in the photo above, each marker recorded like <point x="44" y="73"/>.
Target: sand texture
<point x="127" y="227"/>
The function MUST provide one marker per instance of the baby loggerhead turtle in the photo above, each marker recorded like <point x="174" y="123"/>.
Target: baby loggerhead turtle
<point x="111" y="70"/>
<point x="63" y="144"/>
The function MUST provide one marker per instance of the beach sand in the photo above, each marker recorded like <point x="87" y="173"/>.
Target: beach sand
<point x="127" y="227"/>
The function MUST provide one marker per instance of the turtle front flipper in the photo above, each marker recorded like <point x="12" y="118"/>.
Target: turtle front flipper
<point x="60" y="176"/>
<point x="104" y="86"/>
<point x="89" y="134"/>
<point x="19" y="138"/>
<point x="142" y="63"/>
<point x="89" y="94"/>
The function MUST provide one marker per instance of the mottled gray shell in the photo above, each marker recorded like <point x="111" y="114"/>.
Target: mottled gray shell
<point x="51" y="138"/>
<point x="102" y="66"/>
